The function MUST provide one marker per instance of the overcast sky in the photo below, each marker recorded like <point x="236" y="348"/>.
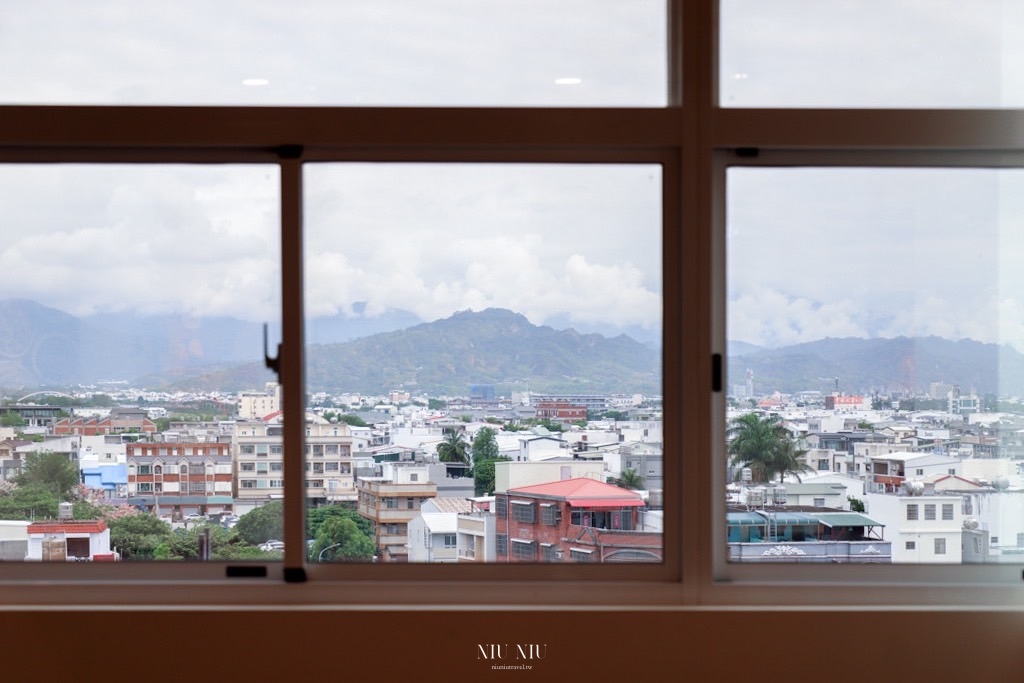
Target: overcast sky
<point x="811" y="253"/>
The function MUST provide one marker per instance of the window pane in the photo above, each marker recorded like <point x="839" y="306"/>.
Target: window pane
<point x="484" y="331"/>
<point x="856" y="53"/>
<point x="131" y="296"/>
<point x="321" y="52"/>
<point x="874" y="324"/>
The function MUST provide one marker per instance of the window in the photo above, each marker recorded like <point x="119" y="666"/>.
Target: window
<point x="524" y="551"/>
<point x="940" y="546"/>
<point x="910" y="545"/>
<point x="947" y="512"/>
<point x="247" y="467"/>
<point x="912" y="511"/>
<point x="523" y="511"/>
<point x="581" y="555"/>
<point x="547" y="552"/>
<point x="145" y="469"/>
<point x="819" y="502"/>
<point x="929" y="511"/>
<point x="814" y="142"/>
<point x="449" y="540"/>
<point x="550" y="514"/>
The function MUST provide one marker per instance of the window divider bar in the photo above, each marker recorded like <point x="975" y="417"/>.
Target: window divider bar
<point x="292" y="380"/>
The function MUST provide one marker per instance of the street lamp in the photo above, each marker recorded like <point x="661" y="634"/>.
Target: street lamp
<point x="320" y="557"/>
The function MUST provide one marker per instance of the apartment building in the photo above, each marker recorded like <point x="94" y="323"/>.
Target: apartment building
<point x="259" y="460"/>
<point x="180" y="479"/>
<point x="390" y="501"/>
<point x="254" y="405"/>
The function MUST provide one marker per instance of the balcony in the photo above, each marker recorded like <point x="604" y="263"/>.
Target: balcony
<point x="858" y="552"/>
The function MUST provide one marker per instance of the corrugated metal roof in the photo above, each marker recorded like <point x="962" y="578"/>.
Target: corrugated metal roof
<point x="834" y="519"/>
<point x="579" y="489"/>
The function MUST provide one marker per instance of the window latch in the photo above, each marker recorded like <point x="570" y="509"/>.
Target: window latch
<point x="275" y="362"/>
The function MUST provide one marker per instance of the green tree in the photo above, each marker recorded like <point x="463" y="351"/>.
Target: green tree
<point x="262" y="524"/>
<point x="630" y="479"/>
<point x="483" y="475"/>
<point x="765" y="446"/>
<point x="137" y="537"/>
<point x="341" y="539"/>
<point x="485" y="445"/>
<point x="53" y="471"/>
<point x="315" y="518"/>
<point x="29" y="501"/>
<point x="83" y="509"/>
<point x="856" y="504"/>
<point x="454" y="448"/>
<point x="11" y="419"/>
<point x="436" y="404"/>
<point x="353" y="420"/>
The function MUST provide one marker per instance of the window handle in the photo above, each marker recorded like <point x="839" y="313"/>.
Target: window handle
<point x="275" y="362"/>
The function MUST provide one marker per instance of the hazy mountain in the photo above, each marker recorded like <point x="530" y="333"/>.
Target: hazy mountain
<point x="883" y="365"/>
<point x="41" y="346"/>
<point x="494" y="346"/>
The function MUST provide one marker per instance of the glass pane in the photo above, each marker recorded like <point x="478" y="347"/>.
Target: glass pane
<point x="484" y="355"/>
<point x="132" y="304"/>
<point x="322" y="52"/>
<point x="875" y="364"/>
<point x="859" y="53"/>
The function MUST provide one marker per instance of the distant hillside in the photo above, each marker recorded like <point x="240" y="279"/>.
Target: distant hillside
<point x="884" y="365"/>
<point x="494" y="346"/>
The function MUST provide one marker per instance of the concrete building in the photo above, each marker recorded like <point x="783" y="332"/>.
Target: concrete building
<point x="180" y="479"/>
<point x="433" y="534"/>
<point x="574" y="520"/>
<point x="255" y="405"/>
<point x="392" y="499"/>
<point x="259" y="461"/>
<point x="69" y="541"/>
<point x="476" y="531"/>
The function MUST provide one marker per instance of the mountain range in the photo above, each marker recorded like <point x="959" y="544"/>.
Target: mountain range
<point x="41" y="346"/>
<point x="865" y="366"/>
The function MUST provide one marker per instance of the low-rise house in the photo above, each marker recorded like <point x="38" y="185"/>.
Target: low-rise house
<point x="69" y="541"/>
<point x="433" y="534"/>
<point x="573" y="520"/>
<point x="476" y="531"/>
<point x="786" y="535"/>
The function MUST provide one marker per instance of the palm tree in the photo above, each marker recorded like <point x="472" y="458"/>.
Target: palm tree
<point x="454" y="450"/>
<point x="765" y="446"/>
<point x="630" y="479"/>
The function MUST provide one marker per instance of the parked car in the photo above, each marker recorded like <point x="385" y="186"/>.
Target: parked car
<point x="272" y="545"/>
<point x="195" y="518"/>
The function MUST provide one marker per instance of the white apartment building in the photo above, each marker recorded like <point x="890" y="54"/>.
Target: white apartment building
<point x="255" y="405"/>
<point x="923" y="529"/>
<point x="259" y="461"/>
<point x="433" y="534"/>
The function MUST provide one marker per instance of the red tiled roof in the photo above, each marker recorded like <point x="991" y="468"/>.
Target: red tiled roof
<point x="582" y="492"/>
<point x="85" y="526"/>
